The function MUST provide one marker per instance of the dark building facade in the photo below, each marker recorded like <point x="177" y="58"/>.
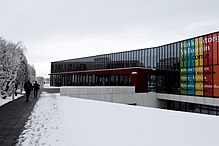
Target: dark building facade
<point x="188" y="67"/>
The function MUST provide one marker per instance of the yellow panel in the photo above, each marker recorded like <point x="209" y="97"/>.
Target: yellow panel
<point x="201" y="51"/>
<point x="196" y="52"/>
<point x="198" y="80"/>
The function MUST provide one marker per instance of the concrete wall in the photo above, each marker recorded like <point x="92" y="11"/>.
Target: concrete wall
<point x="117" y="94"/>
<point x="51" y="89"/>
<point x="127" y="95"/>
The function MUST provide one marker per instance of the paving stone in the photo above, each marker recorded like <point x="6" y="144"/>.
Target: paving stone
<point x="7" y="142"/>
<point x="13" y="116"/>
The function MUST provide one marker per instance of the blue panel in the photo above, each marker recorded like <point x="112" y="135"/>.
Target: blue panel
<point x="191" y="81"/>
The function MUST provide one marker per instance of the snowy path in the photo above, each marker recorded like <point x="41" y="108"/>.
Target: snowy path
<point x="43" y="122"/>
<point x="65" y="121"/>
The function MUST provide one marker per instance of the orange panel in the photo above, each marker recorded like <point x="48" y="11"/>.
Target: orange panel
<point x="215" y="48"/>
<point x="216" y="80"/>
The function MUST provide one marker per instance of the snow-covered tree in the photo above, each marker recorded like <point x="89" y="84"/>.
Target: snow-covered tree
<point x="31" y="73"/>
<point x="41" y="80"/>
<point x="14" y="67"/>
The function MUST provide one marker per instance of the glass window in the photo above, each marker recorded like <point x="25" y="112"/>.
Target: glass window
<point x="114" y="59"/>
<point x="120" y="62"/>
<point x="130" y="58"/>
<point x="142" y="57"/>
<point x="108" y="61"/>
<point x="135" y="58"/>
<point x="141" y="54"/>
<point x="102" y="61"/>
<point x="154" y="57"/>
<point x="146" y="57"/>
<point x="168" y="57"/>
<point x="125" y="58"/>
<point x="139" y="58"/>
<point x="158" y="57"/>
<point x="149" y="58"/>
<point x="174" y="48"/>
<point x="172" y="60"/>
<point x="135" y="55"/>
<point x="178" y="55"/>
<point x="165" y="57"/>
<point x="162" y="57"/>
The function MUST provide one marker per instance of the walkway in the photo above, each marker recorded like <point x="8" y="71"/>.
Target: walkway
<point x="13" y="116"/>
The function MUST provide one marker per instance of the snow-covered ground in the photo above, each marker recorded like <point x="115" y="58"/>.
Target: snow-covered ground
<point x="9" y="99"/>
<point x="64" y="121"/>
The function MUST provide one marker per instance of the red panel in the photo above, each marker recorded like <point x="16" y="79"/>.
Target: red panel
<point x="205" y="51"/>
<point x="210" y="49"/>
<point x="215" y="48"/>
<point x="133" y="79"/>
<point x="142" y="83"/>
<point x="208" y="60"/>
<point x="208" y="82"/>
<point x="216" y="81"/>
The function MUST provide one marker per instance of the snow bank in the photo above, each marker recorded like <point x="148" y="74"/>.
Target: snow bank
<point x="63" y="121"/>
<point x="8" y="99"/>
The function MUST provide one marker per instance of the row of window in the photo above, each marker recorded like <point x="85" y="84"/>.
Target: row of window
<point x="164" y="57"/>
<point x="91" y="80"/>
<point x="164" y="82"/>
<point x="191" y="107"/>
<point x="197" y="51"/>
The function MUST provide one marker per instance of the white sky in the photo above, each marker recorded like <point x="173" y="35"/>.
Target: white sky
<point x="54" y="30"/>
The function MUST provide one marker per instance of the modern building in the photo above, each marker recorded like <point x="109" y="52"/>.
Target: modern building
<point x="188" y="69"/>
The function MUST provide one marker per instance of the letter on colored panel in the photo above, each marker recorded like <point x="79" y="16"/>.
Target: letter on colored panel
<point x="215" y="53"/>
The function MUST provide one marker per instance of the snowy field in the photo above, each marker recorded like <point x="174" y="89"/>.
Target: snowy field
<point x="65" y="121"/>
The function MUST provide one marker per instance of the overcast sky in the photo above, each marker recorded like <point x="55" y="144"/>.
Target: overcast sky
<point x="54" y="30"/>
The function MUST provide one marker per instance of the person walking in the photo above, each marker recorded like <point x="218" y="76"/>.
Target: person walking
<point x="28" y="88"/>
<point x="36" y="87"/>
<point x="15" y="89"/>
